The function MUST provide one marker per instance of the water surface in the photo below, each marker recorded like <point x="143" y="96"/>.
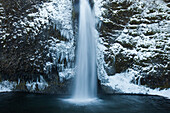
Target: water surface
<point x="37" y="103"/>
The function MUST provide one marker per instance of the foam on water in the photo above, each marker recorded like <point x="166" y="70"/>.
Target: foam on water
<point x="82" y="102"/>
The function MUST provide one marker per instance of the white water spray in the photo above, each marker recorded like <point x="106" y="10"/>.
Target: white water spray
<point x="85" y="86"/>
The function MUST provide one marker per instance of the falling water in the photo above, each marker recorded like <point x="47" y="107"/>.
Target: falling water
<point x="85" y="86"/>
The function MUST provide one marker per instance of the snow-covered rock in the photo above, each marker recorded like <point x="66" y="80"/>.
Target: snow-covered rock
<point x="135" y="36"/>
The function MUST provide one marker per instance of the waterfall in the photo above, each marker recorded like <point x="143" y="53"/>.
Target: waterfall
<point x="85" y="84"/>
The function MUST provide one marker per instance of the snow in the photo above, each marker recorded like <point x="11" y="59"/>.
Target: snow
<point x="122" y="83"/>
<point x="144" y="46"/>
<point x="102" y="75"/>
<point x="60" y="12"/>
<point x="98" y="7"/>
<point x="7" y="86"/>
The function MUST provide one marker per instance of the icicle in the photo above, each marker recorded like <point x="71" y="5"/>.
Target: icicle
<point x="139" y="81"/>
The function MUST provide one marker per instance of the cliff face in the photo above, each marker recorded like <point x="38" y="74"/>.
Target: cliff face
<point x="39" y="38"/>
<point x="20" y="39"/>
<point x="36" y="39"/>
<point x="136" y="36"/>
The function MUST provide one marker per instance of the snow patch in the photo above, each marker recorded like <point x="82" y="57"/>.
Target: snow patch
<point x="7" y="86"/>
<point x="122" y="82"/>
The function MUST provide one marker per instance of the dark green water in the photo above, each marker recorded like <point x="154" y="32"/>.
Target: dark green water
<point x="36" y="103"/>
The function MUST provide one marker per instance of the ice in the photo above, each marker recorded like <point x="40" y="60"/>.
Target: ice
<point x="7" y="86"/>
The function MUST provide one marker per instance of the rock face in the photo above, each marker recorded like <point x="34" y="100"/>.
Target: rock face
<point x="19" y="40"/>
<point x="34" y="41"/>
<point x="136" y="35"/>
<point x="38" y="42"/>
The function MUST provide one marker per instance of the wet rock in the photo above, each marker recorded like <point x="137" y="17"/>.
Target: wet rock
<point x="108" y="89"/>
<point x="21" y="87"/>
